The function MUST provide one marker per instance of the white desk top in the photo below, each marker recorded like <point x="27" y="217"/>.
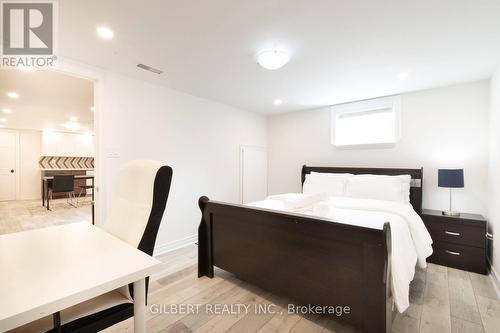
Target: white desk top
<point x="43" y="271"/>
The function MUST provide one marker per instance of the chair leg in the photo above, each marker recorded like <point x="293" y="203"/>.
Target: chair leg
<point x="79" y="199"/>
<point x="49" y="199"/>
<point x="69" y="198"/>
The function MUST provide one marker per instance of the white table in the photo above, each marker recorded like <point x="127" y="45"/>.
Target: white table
<point x="44" y="271"/>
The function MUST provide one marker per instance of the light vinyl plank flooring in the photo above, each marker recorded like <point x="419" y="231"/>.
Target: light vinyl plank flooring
<point x="442" y="299"/>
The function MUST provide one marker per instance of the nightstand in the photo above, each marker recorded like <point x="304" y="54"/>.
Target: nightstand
<point x="458" y="241"/>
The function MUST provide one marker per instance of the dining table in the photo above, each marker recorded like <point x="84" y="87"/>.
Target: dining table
<point x="46" y="181"/>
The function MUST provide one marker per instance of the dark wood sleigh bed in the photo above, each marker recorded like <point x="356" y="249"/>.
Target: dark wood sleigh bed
<point x="306" y="259"/>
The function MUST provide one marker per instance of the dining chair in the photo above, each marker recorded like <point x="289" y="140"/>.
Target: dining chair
<point x="83" y="192"/>
<point x="141" y="194"/>
<point x="63" y="184"/>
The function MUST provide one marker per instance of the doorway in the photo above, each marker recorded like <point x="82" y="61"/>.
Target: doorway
<point x="253" y="174"/>
<point x="46" y="133"/>
<point x="8" y="164"/>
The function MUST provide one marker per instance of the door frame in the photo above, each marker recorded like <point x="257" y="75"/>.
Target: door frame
<point x="17" y="162"/>
<point x="242" y="149"/>
<point x="96" y="75"/>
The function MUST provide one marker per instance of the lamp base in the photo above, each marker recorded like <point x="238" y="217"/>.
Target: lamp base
<point x="450" y="213"/>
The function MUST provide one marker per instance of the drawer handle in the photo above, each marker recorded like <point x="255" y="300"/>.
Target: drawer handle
<point x="454" y="253"/>
<point x="452" y="233"/>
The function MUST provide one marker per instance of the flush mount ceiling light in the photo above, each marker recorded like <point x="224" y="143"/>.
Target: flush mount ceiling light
<point x="7" y="110"/>
<point x="13" y="95"/>
<point x="277" y="102"/>
<point x="3" y="120"/>
<point x="272" y="59"/>
<point x="92" y="108"/>
<point x="105" y="32"/>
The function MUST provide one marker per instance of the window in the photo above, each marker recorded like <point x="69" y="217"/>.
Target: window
<point x="372" y="122"/>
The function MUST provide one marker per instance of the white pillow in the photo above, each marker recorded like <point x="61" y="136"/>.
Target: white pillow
<point x="379" y="187"/>
<point x="406" y="184"/>
<point x="333" y="184"/>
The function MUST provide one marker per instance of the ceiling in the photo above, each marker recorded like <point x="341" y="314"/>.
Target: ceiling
<point x="47" y="100"/>
<point x="341" y="50"/>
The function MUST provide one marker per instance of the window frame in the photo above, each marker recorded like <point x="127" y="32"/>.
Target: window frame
<point x="389" y="102"/>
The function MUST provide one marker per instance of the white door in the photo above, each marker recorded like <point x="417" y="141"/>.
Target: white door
<point x="253" y="174"/>
<point x="8" y="145"/>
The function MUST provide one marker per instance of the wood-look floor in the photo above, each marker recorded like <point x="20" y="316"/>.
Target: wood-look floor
<point x="30" y="214"/>
<point x="442" y="300"/>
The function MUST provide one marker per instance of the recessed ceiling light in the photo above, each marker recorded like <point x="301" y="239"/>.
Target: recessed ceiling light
<point x="3" y="120"/>
<point x="105" y="32"/>
<point x="403" y="75"/>
<point x="72" y="126"/>
<point x="13" y="94"/>
<point x="92" y="108"/>
<point x="277" y="102"/>
<point x="73" y="119"/>
<point x="7" y="110"/>
<point x="272" y="59"/>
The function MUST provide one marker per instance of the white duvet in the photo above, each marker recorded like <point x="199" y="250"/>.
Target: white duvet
<point x="411" y="242"/>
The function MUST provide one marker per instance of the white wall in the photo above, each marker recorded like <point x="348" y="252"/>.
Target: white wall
<point x="29" y="155"/>
<point x="198" y="138"/>
<point x="445" y="127"/>
<point x="494" y="169"/>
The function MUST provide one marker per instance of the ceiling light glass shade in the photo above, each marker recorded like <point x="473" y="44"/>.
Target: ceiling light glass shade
<point x="272" y="59"/>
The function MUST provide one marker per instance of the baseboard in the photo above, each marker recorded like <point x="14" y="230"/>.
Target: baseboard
<point x="25" y="198"/>
<point x="170" y="246"/>
<point x="495" y="278"/>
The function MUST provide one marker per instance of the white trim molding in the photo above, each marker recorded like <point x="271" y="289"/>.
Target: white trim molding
<point x="97" y="75"/>
<point x="495" y="278"/>
<point x="174" y="245"/>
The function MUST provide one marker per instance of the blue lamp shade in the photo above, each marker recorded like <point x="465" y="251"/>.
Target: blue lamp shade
<point x="451" y="178"/>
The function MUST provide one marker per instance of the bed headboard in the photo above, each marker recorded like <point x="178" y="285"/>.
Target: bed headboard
<point x="417" y="178"/>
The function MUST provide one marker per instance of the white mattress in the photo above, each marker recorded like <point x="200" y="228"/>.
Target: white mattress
<point x="411" y="242"/>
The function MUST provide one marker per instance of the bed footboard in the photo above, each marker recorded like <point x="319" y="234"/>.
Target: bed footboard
<point x="308" y="260"/>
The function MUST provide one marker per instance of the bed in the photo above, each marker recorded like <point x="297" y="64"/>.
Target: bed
<point x="306" y="258"/>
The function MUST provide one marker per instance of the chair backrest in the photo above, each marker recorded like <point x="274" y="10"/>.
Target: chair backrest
<point x="137" y="207"/>
<point x="63" y="183"/>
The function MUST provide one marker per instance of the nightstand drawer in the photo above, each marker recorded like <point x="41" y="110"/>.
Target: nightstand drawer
<point x="458" y="256"/>
<point x="456" y="233"/>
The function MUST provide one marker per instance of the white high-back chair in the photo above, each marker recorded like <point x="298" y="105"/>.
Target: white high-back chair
<point x="136" y="212"/>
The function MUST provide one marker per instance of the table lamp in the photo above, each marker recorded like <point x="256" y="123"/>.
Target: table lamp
<point x="451" y="178"/>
